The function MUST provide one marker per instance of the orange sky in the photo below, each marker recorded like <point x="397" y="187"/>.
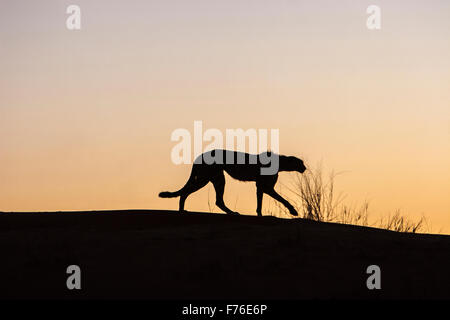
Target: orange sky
<point x="86" y="116"/>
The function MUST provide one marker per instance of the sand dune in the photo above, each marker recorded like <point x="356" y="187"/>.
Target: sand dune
<point x="167" y="255"/>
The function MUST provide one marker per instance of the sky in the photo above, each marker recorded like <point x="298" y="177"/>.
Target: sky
<point x="86" y="116"/>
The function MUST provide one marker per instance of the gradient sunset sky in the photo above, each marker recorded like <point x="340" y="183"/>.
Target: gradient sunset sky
<point x="86" y="116"/>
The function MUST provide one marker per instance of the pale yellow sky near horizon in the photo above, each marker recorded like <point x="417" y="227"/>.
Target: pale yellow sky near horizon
<point x="86" y="116"/>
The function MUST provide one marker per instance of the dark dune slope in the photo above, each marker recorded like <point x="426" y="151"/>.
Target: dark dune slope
<point x="164" y="254"/>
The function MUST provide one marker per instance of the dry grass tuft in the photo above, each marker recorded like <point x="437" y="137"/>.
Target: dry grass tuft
<point x="314" y="196"/>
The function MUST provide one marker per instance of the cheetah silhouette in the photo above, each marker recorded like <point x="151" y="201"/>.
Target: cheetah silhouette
<point x="241" y="166"/>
